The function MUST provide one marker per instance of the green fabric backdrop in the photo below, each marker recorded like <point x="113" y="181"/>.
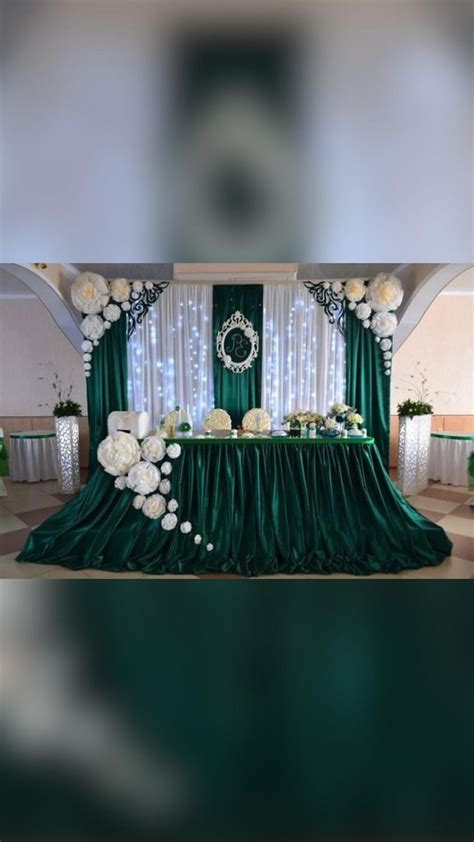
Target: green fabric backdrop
<point x="237" y="393"/>
<point x="107" y="385"/>
<point x="367" y="385"/>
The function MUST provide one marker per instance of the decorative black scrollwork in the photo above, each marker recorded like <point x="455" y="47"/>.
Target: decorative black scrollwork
<point x="331" y="301"/>
<point x="140" y="303"/>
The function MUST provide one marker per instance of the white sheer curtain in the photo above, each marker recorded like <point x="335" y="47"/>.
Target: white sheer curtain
<point x="170" y="354"/>
<point x="303" y="354"/>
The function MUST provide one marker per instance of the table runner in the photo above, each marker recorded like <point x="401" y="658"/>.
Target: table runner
<point x="266" y="508"/>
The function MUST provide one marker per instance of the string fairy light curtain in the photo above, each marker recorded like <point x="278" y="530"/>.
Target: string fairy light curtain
<point x="170" y="354"/>
<point x="303" y="353"/>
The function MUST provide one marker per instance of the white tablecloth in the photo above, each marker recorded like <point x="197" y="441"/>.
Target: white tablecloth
<point x="32" y="456"/>
<point x="449" y="453"/>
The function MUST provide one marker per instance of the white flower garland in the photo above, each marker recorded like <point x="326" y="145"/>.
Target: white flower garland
<point x="135" y="467"/>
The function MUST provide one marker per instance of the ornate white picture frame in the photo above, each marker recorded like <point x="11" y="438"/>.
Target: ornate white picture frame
<point x="237" y="322"/>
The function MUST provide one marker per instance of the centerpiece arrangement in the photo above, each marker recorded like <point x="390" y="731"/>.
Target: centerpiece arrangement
<point x="341" y="420"/>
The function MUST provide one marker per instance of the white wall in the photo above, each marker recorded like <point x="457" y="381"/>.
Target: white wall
<point x="28" y="336"/>
<point x="443" y="342"/>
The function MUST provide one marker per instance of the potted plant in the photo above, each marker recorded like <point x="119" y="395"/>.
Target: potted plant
<point x="414" y="435"/>
<point x="65" y="412"/>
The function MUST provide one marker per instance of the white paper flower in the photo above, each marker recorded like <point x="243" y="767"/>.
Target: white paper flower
<point x="153" y="448"/>
<point x="173" y="505"/>
<point x="354" y="289"/>
<point x="366" y="323"/>
<point x="125" y="306"/>
<point x="164" y="486"/>
<point x="384" y="324"/>
<point x="173" y="451"/>
<point x="120" y="289"/>
<point x="137" y="286"/>
<point x="118" y="453"/>
<point x="93" y="327"/>
<point x="154" y="506"/>
<point x="87" y="366"/>
<point x="87" y="358"/>
<point x="166" y="468"/>
<point x="386" y="344"/>
<point x="89" y="292"/>
<point x="336" y="287"/>
<point x="87" y="346"/>
<point x="363" y="311"/>
<point x="121" y="483"/>
<point x="138" y="501"/>
<point x="198" y="539"/>
<point x="352" y="305"/>
<point x="149" y="285"/>
<point x="186" y="527"/>
<point x="209" y="547"/>
<point x="384" y="292"/>
<point x="107" y="325"/>
<point x="112" y="312"/>
<point x="143" y="478"/>
<point x="169" y="522"/>
<point x="387" y="355"/>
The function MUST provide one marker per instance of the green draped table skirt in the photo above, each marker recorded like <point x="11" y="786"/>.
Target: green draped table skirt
<point x="267" y="506"/>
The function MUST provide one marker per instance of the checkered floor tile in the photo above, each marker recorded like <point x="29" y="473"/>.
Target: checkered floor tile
<point x="28" y="504"/>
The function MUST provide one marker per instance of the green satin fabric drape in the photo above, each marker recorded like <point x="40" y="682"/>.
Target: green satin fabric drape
<point x="367" y="385"/>
<point x="107" y="385"/>
<point x="266" y="507"/>
<point x="237" y="393"/>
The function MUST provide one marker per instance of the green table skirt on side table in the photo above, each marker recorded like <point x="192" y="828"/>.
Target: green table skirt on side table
<point x="267" y="506"/>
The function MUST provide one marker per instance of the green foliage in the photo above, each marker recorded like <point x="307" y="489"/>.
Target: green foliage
<point x="64" y="408"/>
<point x="411" y="408"/>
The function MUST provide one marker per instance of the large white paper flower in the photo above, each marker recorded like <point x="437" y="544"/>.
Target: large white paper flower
<point x="89" y="292"/>
<point x="120" y="289"/>
<point x="153" y="448"/>
<point x="143" y="478"/>
<point x="93" y="327"/>
<point x="169" y="521"/>
<point x="166" y="468"/>
<point x="154" y="506"/>
<point x="185" y="527"/>
<point x="118" y="453"/>
<point x="173" y="505"/>
<point x="384" y="292"/>
<point x="384" y="324"/>
<point x="112" y="312"/>
<point x="173" y="451"/>
<point x="354" y="289"/>
<point x="164" y="486"/>
<point x="363" y="311"/>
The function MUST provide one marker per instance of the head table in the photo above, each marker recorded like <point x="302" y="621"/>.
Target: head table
<point x="267" y="505"/>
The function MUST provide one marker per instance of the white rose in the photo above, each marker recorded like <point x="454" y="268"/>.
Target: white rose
<point x="138" y="501"/>
<point x="336" y="287"/>
<point x="137" y="286"/>
<point x="118" y="453"/>
<point x="198" y="539"/>
<point x="89" y="292"/>
<point x="384" y="324"/>
<point x="143" y="478"/>
<point x="166" y="468"/>
<point x="173" y="505"/>
<point x="330" y="424"/>
<point x="121" y="483"/>
<point x="169" y="522"/>
<point x="354" y="289"/>
<point x="209" y="547"/>
<point x="363" y="311"/>
<point x="384" y="292"/>
<point x="164" y="486"/>
<point x="154" y="506"/>
<point x="173" y="451"/>
<point x="186" y="527"/>
<point x="120" y="289"/>
<point x="386" y="344"/>
<point x="112" y="312"/>
<point x="153" y="448"/>
<point x="87" y="346"/>
<point x="93" y="327"/>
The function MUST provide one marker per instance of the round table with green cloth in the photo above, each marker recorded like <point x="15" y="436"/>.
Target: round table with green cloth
<point x="267" y="505"/>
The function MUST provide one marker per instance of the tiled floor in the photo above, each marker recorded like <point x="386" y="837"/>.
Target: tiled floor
<point x="27" y="505"/>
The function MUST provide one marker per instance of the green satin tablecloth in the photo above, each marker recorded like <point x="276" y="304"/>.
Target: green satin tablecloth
<point x="288" y="506"/>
